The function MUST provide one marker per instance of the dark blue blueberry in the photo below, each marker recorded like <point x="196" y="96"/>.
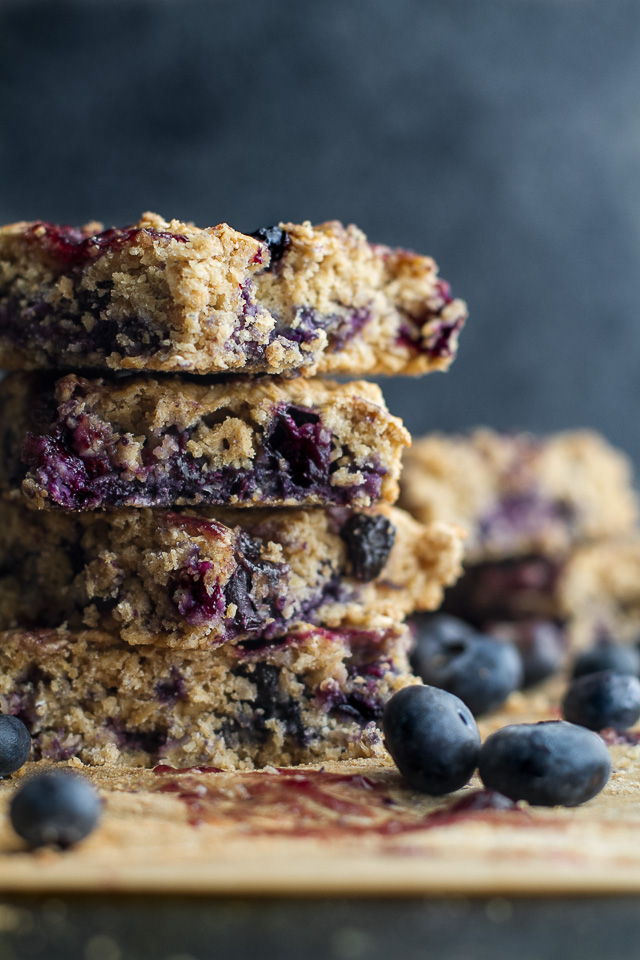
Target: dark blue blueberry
<point x="276" y="239"/>
<point x="481" y="670"/>
<point x="15" y="744"/>
<point x="607" y="655"/>
<point x="441" y="625"/>
<point x="604" y="699"/>
<point x="369" y="539"/>
<point x="540" y="643"/>
<point x="301" y="445"/>
<point x="432" y="737"/>
<point x="547" y="763"/>
<point x="54" y="808"/>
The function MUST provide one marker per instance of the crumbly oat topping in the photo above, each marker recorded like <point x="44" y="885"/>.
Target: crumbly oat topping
<point x="168" y="296"/>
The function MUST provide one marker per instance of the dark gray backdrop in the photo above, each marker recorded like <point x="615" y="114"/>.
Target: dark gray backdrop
<point x="502" y="136"/>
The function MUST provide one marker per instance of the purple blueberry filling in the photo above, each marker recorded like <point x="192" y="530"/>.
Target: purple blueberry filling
<point x="197" y="600"/>
<point x="340" y="329"/>
<point x="512" y="589"/>
<point x="61" y="330"/>
<point x="363" y="697"/>
<point x="57" y="750"/>
<point x="361" y="702"/>
<point x="269" y="703"/>
<point x="251" y="604"/>
<point x="72" y="248"/>
<point x="78" y="464"/>
<point x="252" y="598"/>
<point x="523" y="516"/>
<point x="147" y="741"/>
<point x="173" y="688"/>
<point x="23" y="704"/>
<point x="306" y="329"/>
<point x="60" y="333"/>
<point x="441" y="342"/>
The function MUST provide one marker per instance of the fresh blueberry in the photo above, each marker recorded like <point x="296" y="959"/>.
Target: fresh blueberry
<point x="15" y="744"/>
<point x="53" y="807"/>
<point x="546" y="763"/>
<point x="432" y="737"/>
<point x="441" y="625"/>
<point x="604" y="699"/>
<point x="369" y="540"/>
<point x="481" y="670"/>
<point x="540" y="643"/>
<point x="607" y="655"/>
<point x="276" y="239"/>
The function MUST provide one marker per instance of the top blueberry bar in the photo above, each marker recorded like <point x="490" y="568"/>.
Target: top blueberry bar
<point x="168" y="296"/>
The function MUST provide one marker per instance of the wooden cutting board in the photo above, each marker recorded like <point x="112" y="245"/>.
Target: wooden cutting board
<point x="348" y="828"/>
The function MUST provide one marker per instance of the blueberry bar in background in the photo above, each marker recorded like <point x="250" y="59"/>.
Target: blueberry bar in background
<point x="529" y="506"/>
<point x="517" y="494"/>
<point x="167" y="296"/>
<point x="311" y="695"/>
<point x="82" y="444"/>
<point x="201" y="579"/>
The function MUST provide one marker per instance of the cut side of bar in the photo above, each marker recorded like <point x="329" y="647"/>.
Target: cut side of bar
<point x="312" y="695"/>
<point x="167" y="296"/>
<point x="81" y="444"/>
<point x="200" y="579"/>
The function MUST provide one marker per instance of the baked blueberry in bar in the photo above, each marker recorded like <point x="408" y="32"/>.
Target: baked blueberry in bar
<point x="311" y="695"/>
<point x="167" y="296"/>
<point x="520" y="495"/>
<point x="201" y="579"/>
<point x="83" y="444"/>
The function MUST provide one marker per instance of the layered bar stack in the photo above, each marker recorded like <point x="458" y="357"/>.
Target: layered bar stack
<point x="200" y="560"/>
<point x="550" y="523"/>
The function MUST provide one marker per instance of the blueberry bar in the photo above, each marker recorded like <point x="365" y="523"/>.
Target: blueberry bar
<point x="311" y="695"/>
<point x="528" y="504"/>
<point x="136" y="441"/>
<point x="167" y="296"/>
<point x="198" y="580"/>
<point x="519" y="495"/>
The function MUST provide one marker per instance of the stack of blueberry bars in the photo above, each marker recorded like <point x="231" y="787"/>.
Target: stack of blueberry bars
<point x="200" y="557"/>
